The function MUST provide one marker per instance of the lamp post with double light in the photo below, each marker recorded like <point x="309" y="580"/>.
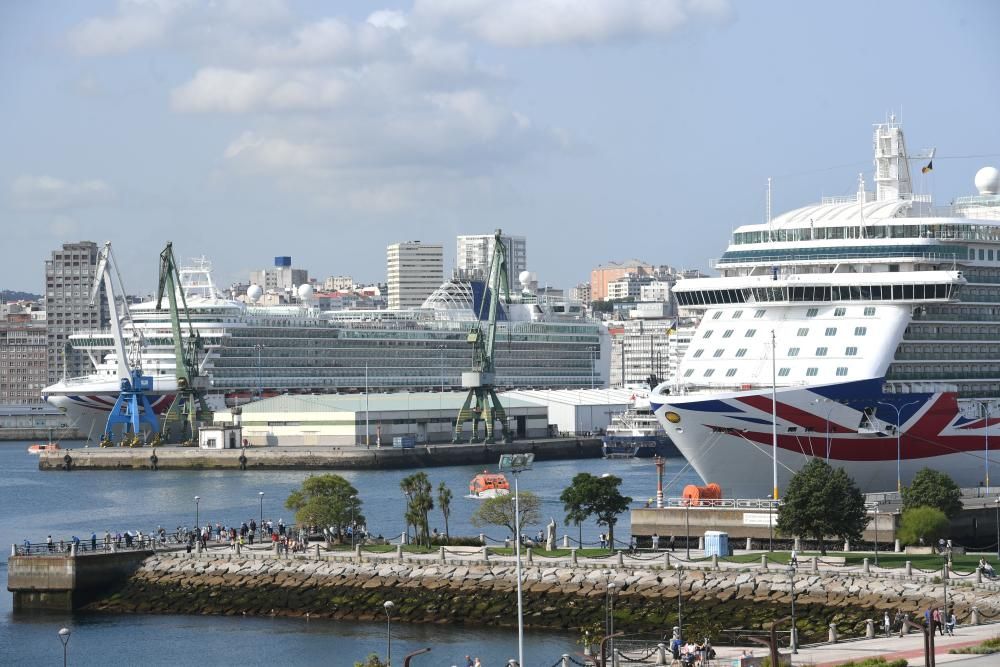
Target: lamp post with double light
<point x="899" y="411"/>
<point x="794" y="640"/>
<point x="515" y="464"/>
<point x="876" y="533"/>
<point x="354" y="500"/>
<point x="687" y="527"/>
<point x="998" y="527"/>
<point x="388" y="605"/>
<point x="987" y="408"/>
<point x="610" y="619"/>
<point x="260" y="495"/>
<point x="197" y="515"/>
<point x="64" y="634"/>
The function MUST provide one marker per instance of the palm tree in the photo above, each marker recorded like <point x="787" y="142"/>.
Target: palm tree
<point x="444" y="502"/>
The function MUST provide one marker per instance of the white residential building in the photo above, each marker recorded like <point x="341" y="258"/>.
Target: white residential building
<point x="474" y="253"/>
<point x="413" y="270"/>
<point x="281" y="277"/>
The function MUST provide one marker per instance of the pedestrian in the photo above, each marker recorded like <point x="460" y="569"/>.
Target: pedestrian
<point x="48" y="542"/>
<point x="794" y="561"/>
<point x="468" y="662"/>
<point x="901" y="619"/>
<point x="476" y="663"/>
<point x="886" y="626"/>
<point x="939" y="621"/>
<point x="656" y="542"/>
<point x="671" y="542"/>
<point x="952" y="622"/>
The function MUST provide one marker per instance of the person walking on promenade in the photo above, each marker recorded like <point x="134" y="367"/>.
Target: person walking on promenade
<point x="886" y="626"/>
<point x="952" y="622"/>
<point x="794" y="559"/>
<point x="656" y="542"/>
<point x="93" y="541"/>
<point x="48" y="542"/>
<point x="939" y="621"/>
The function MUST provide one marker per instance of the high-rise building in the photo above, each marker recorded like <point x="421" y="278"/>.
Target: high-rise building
<point x="69" y="278"/>
<point x="281" y="277"/>
<point x="414" y="270"/>
<point x="23" y="365"/>
<point x="473" y="255"/>
<point x="612" y="271"/>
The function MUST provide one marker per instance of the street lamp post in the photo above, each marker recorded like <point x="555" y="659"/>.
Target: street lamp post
<point x="986" y="432"/>
<point x="388" y="605"/>
<point x="793" y="640"/>
<point x="611" y="620"/>
<point x="770" y="524"/>
<point x="998" y="527"/>
<point x="899" y="410"/>
<point x="64" y="634"/>
<point x="260" y="494"/>
<point x="680" y="624"/>
<point x="687" y="527"/>
<point x="876" y="533"/>
<point x="197" y="515"/>
<point x="517" y="463"/>
<point x="353" y="498"/>
<point x="260" y="382"/>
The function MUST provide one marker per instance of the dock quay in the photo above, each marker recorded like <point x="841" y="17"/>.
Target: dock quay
<point x="477" y="585"/>
<point x="280" y="457"/>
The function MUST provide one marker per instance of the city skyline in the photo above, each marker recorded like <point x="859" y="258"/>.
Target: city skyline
<point x="599" y="134"/>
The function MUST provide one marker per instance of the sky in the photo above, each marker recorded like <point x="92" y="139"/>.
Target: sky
<point x="600" y="130"/>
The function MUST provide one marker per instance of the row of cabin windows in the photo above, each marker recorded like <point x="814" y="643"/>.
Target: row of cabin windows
<point x="803" y="331"/>
<point x="814" y="293"/>
<point x="869" y="311"/>
<point x="849" y="351"/>
<point x="783" y="372"/>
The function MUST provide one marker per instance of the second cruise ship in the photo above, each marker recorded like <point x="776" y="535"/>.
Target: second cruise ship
<point x="863" y="330"/>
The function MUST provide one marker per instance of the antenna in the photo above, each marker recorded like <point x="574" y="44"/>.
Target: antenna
<point x="770" y="232"/>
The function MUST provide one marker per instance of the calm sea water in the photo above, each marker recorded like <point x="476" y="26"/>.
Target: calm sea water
<point x="35" y="504"/>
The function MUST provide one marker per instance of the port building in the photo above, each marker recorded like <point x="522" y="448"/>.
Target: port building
<point x="373" y="420"/>
<point x="575" y="411"/>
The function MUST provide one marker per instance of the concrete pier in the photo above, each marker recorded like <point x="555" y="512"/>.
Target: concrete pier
<point x="304" y="458"/>
<point x="68" y="581"/>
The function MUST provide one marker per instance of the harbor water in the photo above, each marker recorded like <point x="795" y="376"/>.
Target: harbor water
<point x="37" y="504"/>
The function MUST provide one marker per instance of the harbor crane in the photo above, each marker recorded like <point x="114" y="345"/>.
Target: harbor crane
<point x="180" y="423"/>
<point x="132" y="408"/>
<point x="479" y="381"/>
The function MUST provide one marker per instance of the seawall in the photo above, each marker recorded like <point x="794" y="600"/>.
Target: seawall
<point x="60" y="582"/>
<point x="469" y="590"/>
<point x="299" y="458"/>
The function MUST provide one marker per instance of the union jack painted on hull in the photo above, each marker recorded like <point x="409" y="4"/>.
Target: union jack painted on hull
<point x="90" y="411"/>
<point x="728" y="438"/>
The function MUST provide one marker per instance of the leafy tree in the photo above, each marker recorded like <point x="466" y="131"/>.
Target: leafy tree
<point x="371" y="661"/>
<point x="822" y="501"/>
<point x="328" y="501"/>
<point x="602" y="306"/>
<point x="922" y="523"/>
<point x="419" y="502"/>
<point x="574" y="506"/>
<point x="499" y="511"/>
<point x="588" y="496"/>
<point x="931" y="488"/>
<point x="444" y="504"/>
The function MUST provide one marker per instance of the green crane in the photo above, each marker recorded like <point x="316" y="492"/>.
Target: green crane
<point x="188" y="406"/>
<point x="479" y="381"/>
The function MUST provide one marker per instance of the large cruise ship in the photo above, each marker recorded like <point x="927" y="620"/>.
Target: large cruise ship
<point x="254" y="350"/>
<point x="862" y="330"/>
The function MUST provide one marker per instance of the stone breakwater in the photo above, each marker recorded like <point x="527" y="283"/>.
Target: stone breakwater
<point x="459" y="591"/>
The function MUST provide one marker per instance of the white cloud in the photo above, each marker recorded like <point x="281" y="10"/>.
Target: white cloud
<point x="276" y="154"/>
<point x="137" y="24"/>
<point x="387" y="18"/>
<point x="542" y="22"/>
<point x="235" y="91"/>
<point x="48" y="193"/>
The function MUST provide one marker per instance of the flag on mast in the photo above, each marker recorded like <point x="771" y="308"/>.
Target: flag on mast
<point x="929" y="167"/>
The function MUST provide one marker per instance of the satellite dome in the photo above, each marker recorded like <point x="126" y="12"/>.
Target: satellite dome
<point x="988" y="181"/>
<point x="254" y="292"/>
<point x="305" y="291"/>
<point x="524" y="277"/>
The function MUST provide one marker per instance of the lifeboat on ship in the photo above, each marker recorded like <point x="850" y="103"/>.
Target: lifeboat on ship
<point x="38" y="448"/>
<point x="488" y="485"/>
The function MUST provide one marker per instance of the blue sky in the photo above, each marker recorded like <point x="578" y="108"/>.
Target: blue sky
<point x="599" y="130"/>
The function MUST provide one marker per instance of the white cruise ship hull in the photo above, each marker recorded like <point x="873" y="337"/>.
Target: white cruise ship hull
<point x="727" y="438"/>
<point x="88" y="401"/>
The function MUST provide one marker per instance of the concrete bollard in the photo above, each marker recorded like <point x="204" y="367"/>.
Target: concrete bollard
<point x="666" y="560"/>
<point x="701" y="543"/>
<point x="749" y="544"/>
<point x="277" y="548"/>
<point x="975" y="616"/>
<point x="661" y="654"/>
<point x="572" y="556"/>
<point x="13" y="550"/>
<point x="114" y="548"/>
<point x="869" y="629"/>
<point x="72" y="550"/>
<point x="621" y="559"/>
<point x="486" y="554"/>
<point x="357" y="552"/>
<point x="815" y="560"/>
<point x="317" y="551"/>
<point x="979" y="575"/>
<point x="482" y="538"/>
<point x="944" y="571"/>
<point x="909" y="569"/>
<point x="797" y="544"/>
<point x="566" y="542"/>
<point x="715" y="561"/>
<point x="565" y="660"/>
<point x="528" y="552"/>
<point x="832" y="638"/>
<point x="847" y="545"/>
<point x="897" y="547"/>
<point x="442" y="554"/>
<point x="399" y="552"/>
<point x="763" y="561"/>
<point x="865" y="567"/>
<point x="239" y="549"/>
<point x="197" y="546"/>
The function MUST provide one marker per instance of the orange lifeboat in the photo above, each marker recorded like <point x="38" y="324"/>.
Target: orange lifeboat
<point x="488" y="485"/>
<point x="698" y="493"/>
<point x="39" y="448"/>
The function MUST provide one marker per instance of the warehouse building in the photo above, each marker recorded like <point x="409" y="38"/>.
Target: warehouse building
<point x="576" y="411"/>
<point x="372" y="420"/>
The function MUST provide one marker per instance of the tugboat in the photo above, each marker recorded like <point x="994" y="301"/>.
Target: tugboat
<point x="635" y="433"/>
<point x="488" y="485"/>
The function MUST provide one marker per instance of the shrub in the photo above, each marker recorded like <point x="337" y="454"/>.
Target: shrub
<point x="988" y="647"/>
